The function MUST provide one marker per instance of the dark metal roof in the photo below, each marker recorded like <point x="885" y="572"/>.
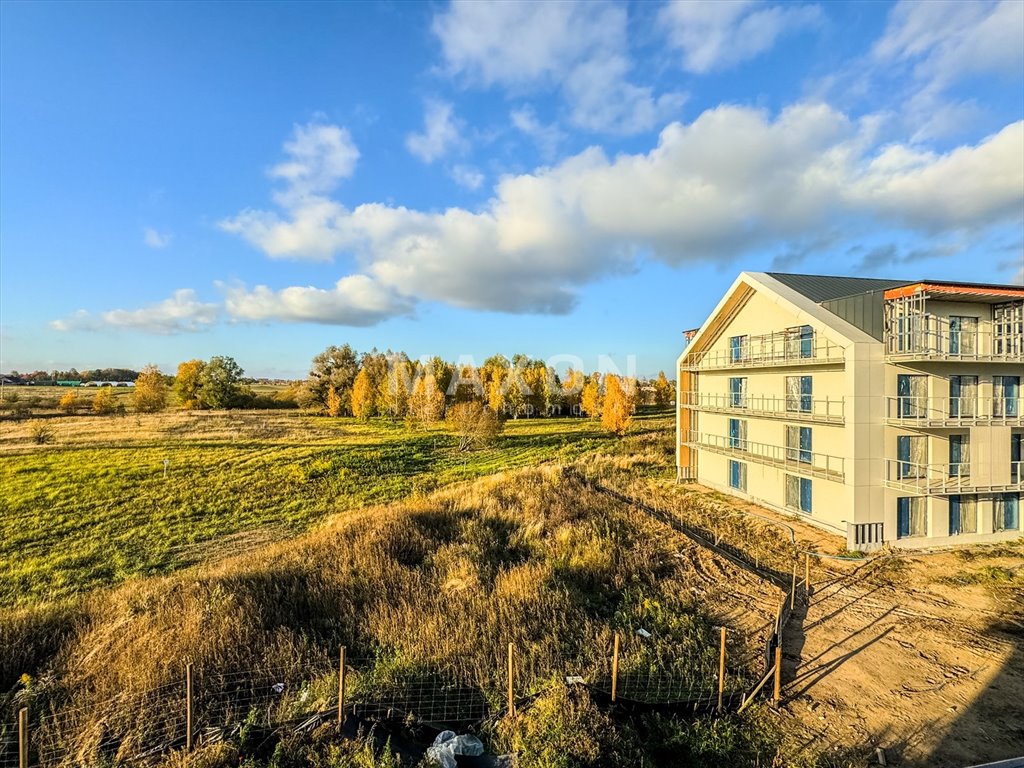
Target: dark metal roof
<point x="820" y="288"/>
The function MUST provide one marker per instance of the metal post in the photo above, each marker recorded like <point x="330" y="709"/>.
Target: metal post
<point x="721" y="671"/>
<point x="341" y="687"/>
<point x="615" y="668"/>
<point x="778" y="673"/>
<point x="188" y="706"/>
<point x="23" y="737"/>
<point x="511" y="674"/>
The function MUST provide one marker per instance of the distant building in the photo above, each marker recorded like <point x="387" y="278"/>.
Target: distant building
<point x="886" y="411"/>
<point x="68" y="383"/>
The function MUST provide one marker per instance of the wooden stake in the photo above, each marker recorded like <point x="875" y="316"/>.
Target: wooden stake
<point x="615" y="668"/>
<point x="23" y="737"/>
<point x="341" y="686"/>
<point x="778" y="673"/>
<point x="807" y="572"/>
<point x="188" y="706"/>
<point x="792" y="594"/>
<point x="511" y="677"/>
<point x="721" y="671"/>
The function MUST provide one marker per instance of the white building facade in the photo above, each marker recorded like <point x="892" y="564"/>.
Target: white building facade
<point x="885" y="411"/>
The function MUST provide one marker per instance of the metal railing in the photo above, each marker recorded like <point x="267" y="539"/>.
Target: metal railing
<point x="790" y="408"/>
<point x="932" y="337"/>
<point x="952" y="411"/>
<point x="947" y="477"/>
<point x="782" y="348"/>
<point x="792" y="459"/>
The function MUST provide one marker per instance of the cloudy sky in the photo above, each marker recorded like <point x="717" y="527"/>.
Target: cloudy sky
<point x="181" y="180"/>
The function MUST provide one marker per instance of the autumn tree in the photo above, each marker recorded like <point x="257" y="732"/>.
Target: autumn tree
<point x="615" y="408"/>
<point x="572" y="388"/>
<point x="363" y="395"/>
<point x="150" y="393"/>
<point x="334" y="367"/>
<point x="220" y="383"/>
<point x="663" y="391"/>
<point x="590" y="398"/>
<point x="474" y="424"/>
<point x="69" y="402"/>
<point x="335" y="403"/>
<point x="393" y="390"/>
<point x="187" y="383"/>
<point x="104" y="402"/>
<point x="426" y="403"/>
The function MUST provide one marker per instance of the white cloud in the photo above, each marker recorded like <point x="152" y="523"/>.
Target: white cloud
<point x="715" y="35"/>
<point x="356" y="300"/>
<point x="467" y="176"/>
<point x="155" y="239"/>
<point x="733" y="180"/>
<point x="441" y="133"/>
<point x="548" y="137"/>
<point x="181" y="312"/>
<point x="319" y="156"/>
<point x="581" y="48"/>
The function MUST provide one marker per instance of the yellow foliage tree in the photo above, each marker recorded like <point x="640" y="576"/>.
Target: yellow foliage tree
<point x="616" y="409"/>
<point x="150" y="393"/>
<point x="187" y="383"/>
<point x="104" y="402"/>
<point x="590" y="399"/>
<point x="663" y="390"/>
<point x="335" y="404"/>
<point x="363" y="396"/>
<point x="394" y="389"/>
<point x="426" y="404"/>
<point x="69" y="402"/>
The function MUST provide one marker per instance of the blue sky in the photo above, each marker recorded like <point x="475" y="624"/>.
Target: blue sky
<point x="261" y="180"/>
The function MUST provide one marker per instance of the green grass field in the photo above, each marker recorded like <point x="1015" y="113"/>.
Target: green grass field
<point x="96" y="508"/>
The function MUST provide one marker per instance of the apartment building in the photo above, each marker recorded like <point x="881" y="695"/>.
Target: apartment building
<point x="885" y="411"/>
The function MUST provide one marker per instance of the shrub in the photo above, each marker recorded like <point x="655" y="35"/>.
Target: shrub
<point x="41" y="433"/>
<point x="474" y="424"/>
<point x="69" y="402"/>
<point x="104" y="402"/>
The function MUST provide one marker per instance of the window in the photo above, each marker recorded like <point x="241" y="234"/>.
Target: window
<point x="1006" y="512"/>
<point x="963" y="397"/>
<point x="798" y="394"/>
<point x="1006" y="396"/>
<point x="912" y="396"/>
<point x="798" y="493"/>
<point x="798" y="444"/>
<point x="738" y="475"/>
<point x="910" y="517"/>
<point x="1008" y="320"/>
<point x="959" y="456"/>
<point x="963" y="335"/>
<point x="738" y="392"/>
<point x="800" y="341"/>
<point x="963" y="515"/>
<point x="911" y="455"/>
<point x="1016" y="467"/>
<point x="738" y="434"/>
<point x="738" y="346"/>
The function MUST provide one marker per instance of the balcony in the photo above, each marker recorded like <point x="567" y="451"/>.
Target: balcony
<point x="782" y="348"/>
<point x="947" y="478"/>
<point x="930" y="337"/>
<point x="795" y="408"/>
<point x="923" y="412"/>
<point x="791" y="459"/>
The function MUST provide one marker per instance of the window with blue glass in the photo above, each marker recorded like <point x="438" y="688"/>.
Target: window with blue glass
<point x="798" y="394"/>
<point x="910" y="456"/>
<point x="963" y="335"/>
<point x="737" y="348"/>
<point x="738" y="434"/>
<point x="963" y="397"/>
<point x="912" y="395"/>
<point x="963" y="515"/>
<point x="798" y="443"/>
<point x="1006" y="512"/>
<point x="1016" y="466"/>
<point x="738" y="392"/>
<point x="1006" y="396"/>
<point x="910" y="517"/>
<point x="738" y="475"/>
<point x="959" y="456"/>
<point x="798" y="493"/>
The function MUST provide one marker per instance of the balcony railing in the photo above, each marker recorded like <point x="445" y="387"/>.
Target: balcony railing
<point x="930" y="337"/>
<point x="782" y="348"/>
<point x="792" y="408"/>
<point x="949" y="477"/>
<point x="914" y="412"/>
<point x="791" y="459"/>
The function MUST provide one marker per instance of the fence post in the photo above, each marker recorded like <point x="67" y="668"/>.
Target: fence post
<point x="188" y="706"/>
<point x="511" y="673"/>
<point x="792" y="594"/>
<point x="615" y="668"/>
<point x="721" y="671"/>
<point x="23" y="737"/>
<point x="807" y="572"/>
<point x="778" y="673"/>
<point x="341" y="686"/>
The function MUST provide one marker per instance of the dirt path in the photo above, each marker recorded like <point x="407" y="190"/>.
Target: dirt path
<point x="890" y="655"/>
